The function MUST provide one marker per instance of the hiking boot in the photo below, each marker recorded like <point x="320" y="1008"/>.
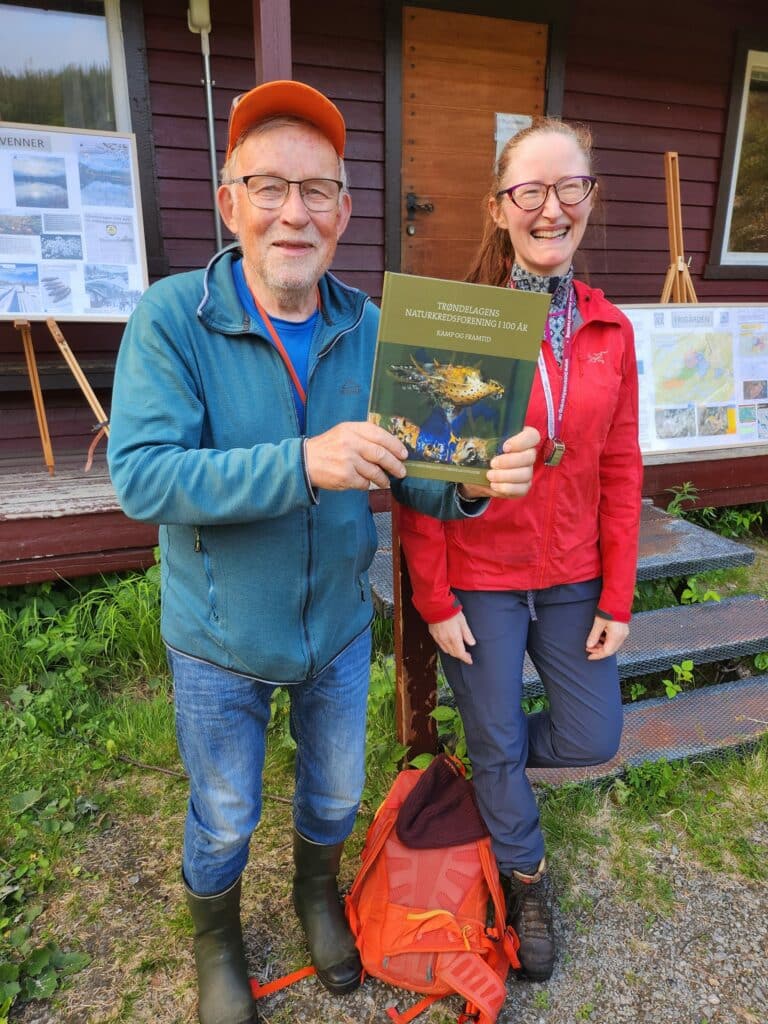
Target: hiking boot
<point x="224" y="990"/>
<point x="529" y="911"/>
<point x="319" y="908"/>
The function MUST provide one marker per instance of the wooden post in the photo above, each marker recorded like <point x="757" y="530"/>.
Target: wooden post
<point x="37" y="394"/>
<point x="415" y="660"/>
<point x="678" y="286"/>
<point x="272" y="40"/>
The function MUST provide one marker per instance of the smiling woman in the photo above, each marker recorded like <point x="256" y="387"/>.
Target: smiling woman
<point x="58" y="67"/>
<point x="552" y="573"/>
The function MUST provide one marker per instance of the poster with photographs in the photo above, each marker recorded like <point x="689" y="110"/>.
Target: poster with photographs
<point x="71" y="235"/>
<point x="703" y="372"/>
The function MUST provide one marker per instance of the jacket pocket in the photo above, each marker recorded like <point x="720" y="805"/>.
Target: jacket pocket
<point x="202" y="551"/>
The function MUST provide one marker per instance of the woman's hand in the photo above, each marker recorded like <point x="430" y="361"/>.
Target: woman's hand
<point x="511" y="472"/>
<point x="452" y="637"/>
<point x="605" y="638"/>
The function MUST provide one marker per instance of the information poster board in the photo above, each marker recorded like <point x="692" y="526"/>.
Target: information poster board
<point x="703" y="372"/>
<point x="71" y="234"/>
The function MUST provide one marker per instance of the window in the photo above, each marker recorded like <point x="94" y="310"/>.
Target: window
<point x="740" y="239"/>
<point x="62" y="64"/>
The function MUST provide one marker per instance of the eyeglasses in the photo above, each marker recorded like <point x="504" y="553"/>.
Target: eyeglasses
<point x="531" y="195"/>
<point x="269" y="192"/>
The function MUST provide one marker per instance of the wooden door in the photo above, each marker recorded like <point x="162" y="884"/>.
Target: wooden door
<point x="459" y="71"/>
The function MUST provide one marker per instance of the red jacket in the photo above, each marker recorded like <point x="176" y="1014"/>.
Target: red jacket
<point x="580" y="519"/>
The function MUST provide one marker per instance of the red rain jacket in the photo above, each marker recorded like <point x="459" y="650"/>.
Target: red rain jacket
<point x="580" y="519"/>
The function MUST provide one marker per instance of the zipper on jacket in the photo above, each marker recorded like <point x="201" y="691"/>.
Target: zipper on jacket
<point x="547" y="537"/>
<point x="200" y="550"/>
<point x="332" y="343"/>
<point x="307" y="601"/>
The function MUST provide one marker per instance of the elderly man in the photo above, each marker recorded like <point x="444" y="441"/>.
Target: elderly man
<point x="238" y="424"/>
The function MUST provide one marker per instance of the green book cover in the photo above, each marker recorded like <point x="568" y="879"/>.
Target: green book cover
<point x="453" y="370"/>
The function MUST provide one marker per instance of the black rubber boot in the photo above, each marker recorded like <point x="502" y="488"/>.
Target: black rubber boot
<point x="318" y="905"/>
<point x="222" y="976"/>
<point x="529" y="911"/>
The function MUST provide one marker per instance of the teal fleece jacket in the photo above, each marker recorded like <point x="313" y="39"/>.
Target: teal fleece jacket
<point x="260" y="573"/>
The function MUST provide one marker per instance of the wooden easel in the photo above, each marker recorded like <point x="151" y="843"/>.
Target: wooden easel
<point x="678" y="286"/>
<point x="102" y="422"/>
<point x="25" y="328"/>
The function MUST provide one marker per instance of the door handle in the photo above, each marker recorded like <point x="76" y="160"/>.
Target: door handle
<point x="413" y="203"/>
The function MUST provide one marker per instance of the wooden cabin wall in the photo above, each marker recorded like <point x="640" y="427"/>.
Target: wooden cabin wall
<point x="655" y="81"/>
<point x="337" y="47"/>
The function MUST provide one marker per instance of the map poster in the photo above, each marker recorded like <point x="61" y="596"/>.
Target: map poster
<point x="453" y="370"/>
<point x="703" y="373"/>
<point x="71" y="235"/>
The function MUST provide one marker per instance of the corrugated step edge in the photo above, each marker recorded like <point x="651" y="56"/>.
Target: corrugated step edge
<point x="691" y="724"/>
<point x="713" y="631"/>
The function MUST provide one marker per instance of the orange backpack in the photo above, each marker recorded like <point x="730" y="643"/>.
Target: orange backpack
<point x="432" y="918"/>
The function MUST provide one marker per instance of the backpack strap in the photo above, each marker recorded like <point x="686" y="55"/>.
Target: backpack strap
<point x="408" y="1015"/>
<point x="471" y="976"/>
<point x="259" y="991"/>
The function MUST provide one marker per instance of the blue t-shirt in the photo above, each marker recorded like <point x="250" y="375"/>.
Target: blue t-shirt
<point x="296" y="337"/>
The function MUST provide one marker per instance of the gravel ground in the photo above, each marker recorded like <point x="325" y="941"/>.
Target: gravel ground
<point x="704" y="963"/>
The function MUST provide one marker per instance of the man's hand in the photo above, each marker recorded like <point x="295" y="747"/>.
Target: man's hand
<point x="352" y="456"/>
<point x="605" y="638"/>
<point x="452" y="637"/>
<point x="511" y="472"/>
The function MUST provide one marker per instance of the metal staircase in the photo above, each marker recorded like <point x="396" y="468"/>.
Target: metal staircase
<point x="697" y="721"/>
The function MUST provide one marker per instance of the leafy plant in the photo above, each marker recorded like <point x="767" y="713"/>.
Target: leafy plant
<point x="450" y="733"/>
<point x="683" y="674"/>
<point x="729" y="521"/>
<point x="647" y="786"/>
<point x="682" y="494"/>
<point x="694" y="592"/>
<point x="636" y="690"/>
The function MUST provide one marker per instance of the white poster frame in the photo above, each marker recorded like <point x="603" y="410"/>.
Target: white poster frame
<point x="100" y="235"/>
<point x="740" y="439"/>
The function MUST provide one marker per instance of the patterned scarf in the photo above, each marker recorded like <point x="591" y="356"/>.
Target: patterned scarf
<point x="559" y="288"/>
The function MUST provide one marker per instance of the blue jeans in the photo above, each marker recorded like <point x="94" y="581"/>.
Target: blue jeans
<point x="581" y="727"/>
<point x="221" y="724"/>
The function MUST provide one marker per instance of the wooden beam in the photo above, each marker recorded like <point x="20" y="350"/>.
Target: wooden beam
<point x="415" y="661"/>
<point x="725" y="481"/>
<point x="272" y="39"/>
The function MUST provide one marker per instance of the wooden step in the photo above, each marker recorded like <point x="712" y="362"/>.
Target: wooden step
<point x="691" y="724"/>
<point x="713" y="631"/>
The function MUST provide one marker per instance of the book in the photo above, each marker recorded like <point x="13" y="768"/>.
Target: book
<point x="453" y="370"/>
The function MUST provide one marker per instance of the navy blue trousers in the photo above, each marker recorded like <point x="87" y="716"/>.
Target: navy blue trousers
<point x="582" y="725"/>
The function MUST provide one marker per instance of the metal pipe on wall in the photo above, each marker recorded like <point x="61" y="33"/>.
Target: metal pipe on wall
<point x="199" y="21"/>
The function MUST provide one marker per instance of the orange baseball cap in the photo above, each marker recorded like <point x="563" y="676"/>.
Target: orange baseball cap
<point x="286" y="97"/>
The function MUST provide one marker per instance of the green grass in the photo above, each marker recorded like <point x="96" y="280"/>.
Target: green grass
<point x="87" y="720"/>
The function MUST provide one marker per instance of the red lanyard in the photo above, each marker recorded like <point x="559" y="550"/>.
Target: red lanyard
<point x="281" y="347"/>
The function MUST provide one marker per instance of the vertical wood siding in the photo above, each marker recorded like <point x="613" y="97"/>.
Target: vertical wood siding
<point x="337" y="47"/>
<point x="646" y="83"/>
<point x="658" y="80"/>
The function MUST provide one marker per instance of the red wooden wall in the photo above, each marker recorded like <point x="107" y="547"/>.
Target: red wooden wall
<point x="656" y="81"/>
<point x="337" y="47"/>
